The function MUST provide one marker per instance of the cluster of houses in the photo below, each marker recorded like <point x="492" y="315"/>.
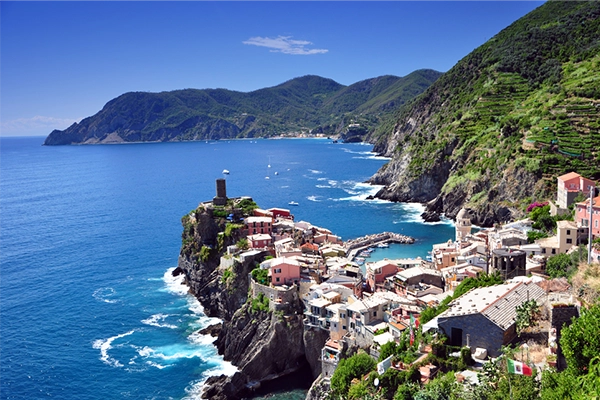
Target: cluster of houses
<point x="369" y="305"/>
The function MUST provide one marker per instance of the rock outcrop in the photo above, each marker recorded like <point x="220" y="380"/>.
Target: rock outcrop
<point x="263" y="345"/>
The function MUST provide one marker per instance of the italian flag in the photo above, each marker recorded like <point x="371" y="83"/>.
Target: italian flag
<point x="519" y="368"/>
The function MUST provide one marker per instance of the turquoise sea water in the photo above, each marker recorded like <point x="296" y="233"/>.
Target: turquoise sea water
<point x="89" y="234"/>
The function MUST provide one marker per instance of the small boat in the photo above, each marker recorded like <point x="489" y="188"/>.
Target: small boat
<point x="276" y="173"/>
<point x="383" y="245"/>
<point x="293" y="203"/>
<point x="226" y="171"/>
<point x="359" y="260"/>
<point x="266" y="177"/>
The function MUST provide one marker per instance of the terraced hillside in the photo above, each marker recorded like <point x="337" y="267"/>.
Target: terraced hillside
<point x="495" y="131"/>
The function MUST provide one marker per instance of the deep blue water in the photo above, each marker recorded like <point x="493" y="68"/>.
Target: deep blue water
<point x="88" y="235"/>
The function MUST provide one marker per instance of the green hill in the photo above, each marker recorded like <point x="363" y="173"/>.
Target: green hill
<point x="305" y="104"/>
<point x="497" y="129"/>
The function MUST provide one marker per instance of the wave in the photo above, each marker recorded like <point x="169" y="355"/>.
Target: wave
<point x="105" y="345"/>
<point x="104" y="294"/>
<point x="412" y="214"/>
<point x="359" y="191"/>
<point x="314" y="171"/>
<point x="175" y="284"/>
<point x="158" y="321"/>
<point x="195" y="389"/>
<point x="323" y="186"/>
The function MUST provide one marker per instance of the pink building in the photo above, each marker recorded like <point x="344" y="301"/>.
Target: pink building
<point x="259" y="225"/>
<point x="582" y="215"/>
<point x="259" y="241"/>
<point x="284" y="271"/>
<point x="569" y="186"/>
<point x="378" y="271"/>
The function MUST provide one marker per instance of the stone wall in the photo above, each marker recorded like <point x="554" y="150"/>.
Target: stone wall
<point x="560" y="317"/>
<point x="482" y="332"/>
<point x="279" y="299"/>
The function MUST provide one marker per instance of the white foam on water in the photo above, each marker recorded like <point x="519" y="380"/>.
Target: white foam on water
<point x="158" y="321"/>
<point x="315" y="171"/>
<point x="313" y="198"/>
<point x="413" y="211"/>
<point x="323" y="186"/>
<point x="157" y="365"/>
<point x="174" y="284"/>
<point x="195" y="390"/>
<point x="321" y="179"/>
<point x="105" y="345"/>
<point x="104" y="294"/>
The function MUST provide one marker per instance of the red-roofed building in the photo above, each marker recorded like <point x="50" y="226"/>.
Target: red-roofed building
<point x="582" y="215"/>
<point x="569" y="186"/>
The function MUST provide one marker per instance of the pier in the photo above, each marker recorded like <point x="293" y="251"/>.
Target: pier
<point x="355" y="246"/>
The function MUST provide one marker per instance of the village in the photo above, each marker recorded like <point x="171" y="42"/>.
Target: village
<point x="366" y="305"/>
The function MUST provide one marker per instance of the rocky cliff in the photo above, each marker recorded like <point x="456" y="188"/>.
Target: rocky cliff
<point x="495" y="131"/>
<point x="263" y="345"/>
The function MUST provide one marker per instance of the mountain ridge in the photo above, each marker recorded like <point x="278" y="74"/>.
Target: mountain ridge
<point x="303" y="104"/>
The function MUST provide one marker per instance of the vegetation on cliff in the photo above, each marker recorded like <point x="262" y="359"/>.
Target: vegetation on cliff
<point x="525" y="104"/>
<point x="308" y="103"/>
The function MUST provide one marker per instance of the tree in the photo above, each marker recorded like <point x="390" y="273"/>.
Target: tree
<point x="526" y="314"/>
<point x="580" y="342"/>
<point x="558" y="266"/>
<point x="348" y="369"/>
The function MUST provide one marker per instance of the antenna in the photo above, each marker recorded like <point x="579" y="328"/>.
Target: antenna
<point x="591" y="211"/>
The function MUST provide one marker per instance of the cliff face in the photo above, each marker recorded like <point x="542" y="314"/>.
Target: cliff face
<point x="264" y="345"/>
<point x="494" y="132"/>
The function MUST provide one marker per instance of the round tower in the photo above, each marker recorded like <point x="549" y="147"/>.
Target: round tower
<point x="463" y="224"/>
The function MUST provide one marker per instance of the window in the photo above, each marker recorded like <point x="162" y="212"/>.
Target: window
<point x="543" y="251"/>
<point x="568" y="232"/>
<point x="569" y="241"/>
<point x="276" y="279"/>
<point x="374" y="313"/>
<point x="277" y="271"/>
<point x="553" y="251"/>
<point x="344" y="327"/>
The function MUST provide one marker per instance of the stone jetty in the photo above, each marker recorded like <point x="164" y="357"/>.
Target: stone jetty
<point x="354" y="246"/>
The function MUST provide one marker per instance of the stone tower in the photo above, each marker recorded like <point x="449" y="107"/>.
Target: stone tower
<point x="221" y="197"/>
<point x="463" y="225"/>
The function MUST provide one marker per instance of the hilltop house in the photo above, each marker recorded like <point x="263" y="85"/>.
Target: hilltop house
<point x="569" y="186"/>
<point x="283" y="271"/>
<point x="567" y="236"/>
<point x="259" y="225"/>
<point x="485" y="317"/>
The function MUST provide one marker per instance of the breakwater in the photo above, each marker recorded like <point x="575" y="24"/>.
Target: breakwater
<point x="354" y="246"/>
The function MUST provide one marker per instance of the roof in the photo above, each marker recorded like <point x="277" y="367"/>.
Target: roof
<point x="417" y="271"/>
<point x="462" y="214"/>
<point x="497" y="303"/>
<point x="259" y="236"/>
<point x="566" y="224"/>
<point x="586" y="202"/>
<point x="258" y="219"/>
<point x="320" y="302"/>
<point x="569" y="176"/>
<point x="283" y="260"/>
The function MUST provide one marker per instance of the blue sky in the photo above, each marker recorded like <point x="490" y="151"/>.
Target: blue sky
<point x="62" y="61"/>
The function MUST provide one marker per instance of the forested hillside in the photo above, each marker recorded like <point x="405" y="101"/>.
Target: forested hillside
<point x="495" y="131"/>
<point x="302" y="105"/>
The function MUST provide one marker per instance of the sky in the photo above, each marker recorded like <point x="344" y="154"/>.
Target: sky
<point x="63" y="61"/>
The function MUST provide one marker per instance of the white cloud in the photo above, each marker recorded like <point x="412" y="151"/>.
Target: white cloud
<point x="284" y="44"/>
<point x="38" y="125"/>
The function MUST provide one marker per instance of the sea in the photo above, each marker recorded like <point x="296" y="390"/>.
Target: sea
<point x="89" y="236"/>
